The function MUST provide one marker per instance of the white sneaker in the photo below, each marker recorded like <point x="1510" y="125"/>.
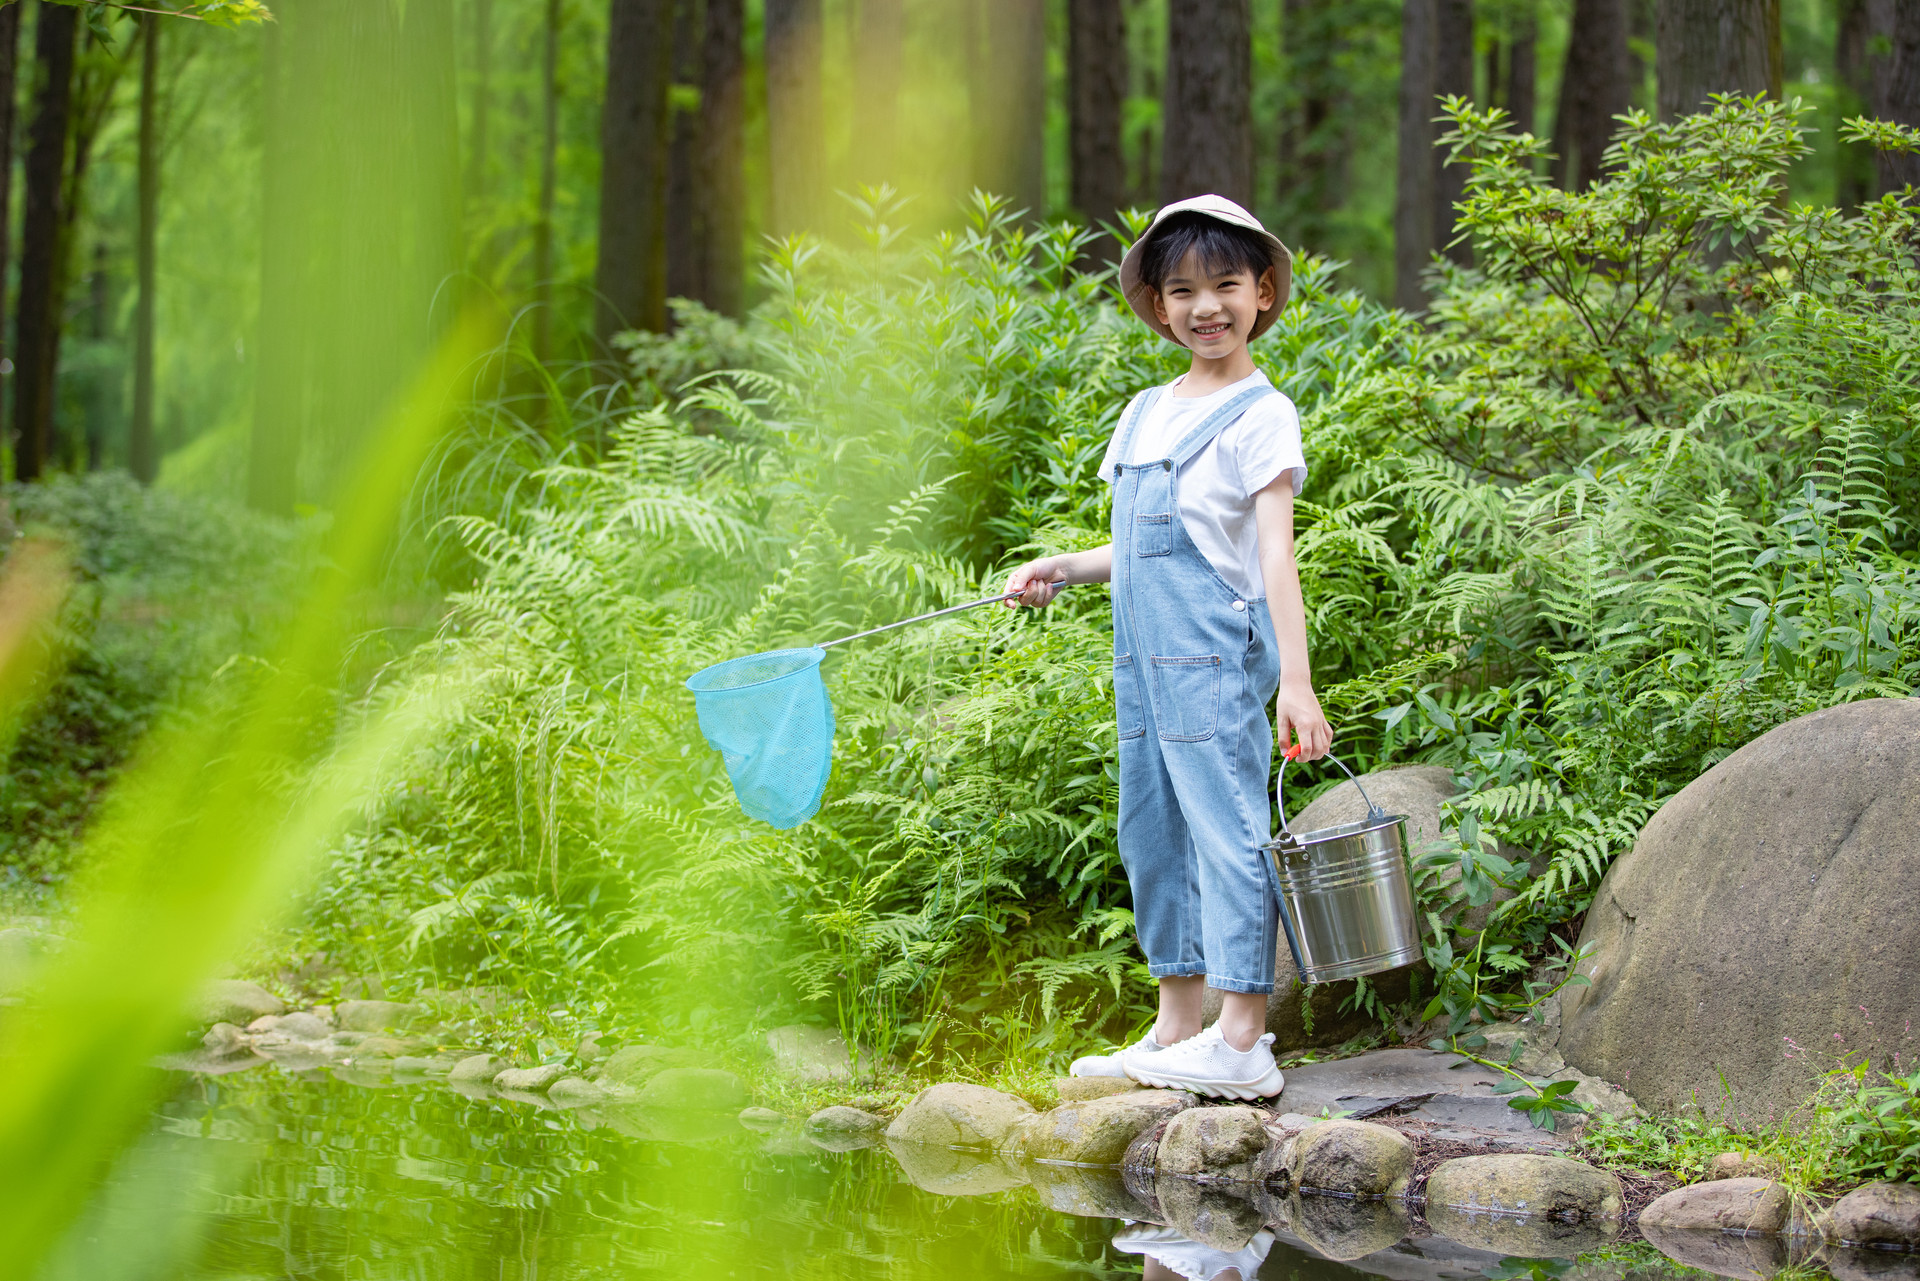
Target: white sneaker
<point x="1114" y="1064"/>
<point x="1177" y="1252"/>
<point x="1206" y="1064"/>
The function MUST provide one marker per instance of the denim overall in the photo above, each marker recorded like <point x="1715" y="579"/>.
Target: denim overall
<point x="1194" y="667"/>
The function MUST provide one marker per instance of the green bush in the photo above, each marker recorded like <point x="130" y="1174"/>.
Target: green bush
<point x="1636" y="493"/>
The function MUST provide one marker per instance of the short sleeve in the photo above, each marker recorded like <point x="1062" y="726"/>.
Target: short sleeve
<point x="1268" y="444"/>
<point x="1112" y="455"/>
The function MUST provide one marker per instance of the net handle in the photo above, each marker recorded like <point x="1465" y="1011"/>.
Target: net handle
<point x="921" y="618"/>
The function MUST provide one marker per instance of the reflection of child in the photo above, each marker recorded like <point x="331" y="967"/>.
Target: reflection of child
<point x="1167" y="1253"/>
<point x="1208" y="625"/>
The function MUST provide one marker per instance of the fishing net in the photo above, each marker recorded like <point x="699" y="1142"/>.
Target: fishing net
<point x="768" y="715"/>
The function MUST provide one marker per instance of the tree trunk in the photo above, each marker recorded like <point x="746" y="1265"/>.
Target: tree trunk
<point x="1716" y="46"/>
<point x="793" y="114"/>
<point x="632" y="282"/>
<point x="274" y="447"/>
<point x="141" y="455"/>
<point x="1595" y="87"/>
<point x="879" y="50"/>
<point x="1097" y="91"/>
<point x="429" y="37"/>
<point x="682" y="227"/>
<point x="1413" y="189"/>
<point x="1898" y="96"/>
<point x="1207" y="145"/>
<point x="1855" y="63"/>
<point x="1016" y="71"/>
<point x="1313" y="137"/>
<point x="9" y="85"/>
<point x="482" y="93"/>
<point x="1452" y="74"/>
<point x="722" y="178"/>
<point x="549" y="159"/>
<point x="37" y="324"/>
<point x="1523" y="69"/>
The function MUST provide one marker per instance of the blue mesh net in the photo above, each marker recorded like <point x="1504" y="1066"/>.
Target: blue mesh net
<point x="768" y="715"/>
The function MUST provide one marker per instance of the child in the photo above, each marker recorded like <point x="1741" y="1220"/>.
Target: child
<point x="1207" y="624"/>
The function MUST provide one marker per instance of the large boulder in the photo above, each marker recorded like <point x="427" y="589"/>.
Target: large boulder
<point x="1723" y="1205"/>
<point x="811" y="1054"/>
<point x="1095" y="1131"/>
<point x="1879" y="1214"/>
<point x="1525" y="1184"/>
<point x="1352" y="1159"/>
<point x="1752" y="917"/>
<point x="1301" y="1016"/>
<point x="1215" y="1143"/>
<point x="956" y="1114"/>
<point x="237" y="1001"/>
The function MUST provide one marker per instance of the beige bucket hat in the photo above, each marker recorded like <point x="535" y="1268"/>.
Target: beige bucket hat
<point x="1140" y="294"/>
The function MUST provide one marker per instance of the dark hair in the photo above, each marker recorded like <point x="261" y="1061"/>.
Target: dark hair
<point x="1222" y="247"/>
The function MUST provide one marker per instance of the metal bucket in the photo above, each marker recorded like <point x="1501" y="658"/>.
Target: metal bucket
<point x="1345" y="901"/>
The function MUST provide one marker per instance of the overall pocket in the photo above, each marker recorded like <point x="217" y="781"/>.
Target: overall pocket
<point x="1153" y="534"/>
<point x="1186" y="697"/>
<point x="1126" y="698"/>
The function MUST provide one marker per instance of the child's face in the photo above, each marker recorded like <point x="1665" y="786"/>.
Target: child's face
<point x="1212" y="312"/>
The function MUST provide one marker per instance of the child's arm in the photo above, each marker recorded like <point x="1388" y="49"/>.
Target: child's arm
<point x="1296" y="711"/>
<point x="1041" y="580"/>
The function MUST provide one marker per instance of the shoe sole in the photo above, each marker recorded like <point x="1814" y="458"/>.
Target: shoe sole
<point x="1264" y="1088"/>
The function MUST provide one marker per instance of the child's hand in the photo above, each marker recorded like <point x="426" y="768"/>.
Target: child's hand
<point x="1296" y="712"/>
<point x="1037" y="581"/>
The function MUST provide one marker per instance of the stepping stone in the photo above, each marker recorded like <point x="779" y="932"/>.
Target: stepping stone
<point x="1418" y="1083"/>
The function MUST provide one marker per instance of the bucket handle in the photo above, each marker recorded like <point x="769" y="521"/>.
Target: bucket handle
<point x="1374" y="812"/>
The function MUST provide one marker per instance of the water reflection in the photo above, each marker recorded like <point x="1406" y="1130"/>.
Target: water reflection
<point x="269" y="1175"/>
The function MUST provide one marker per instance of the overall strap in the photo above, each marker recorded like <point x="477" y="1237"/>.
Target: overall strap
<point x="1216" y="422"/>
<point x="1131" y="422"/>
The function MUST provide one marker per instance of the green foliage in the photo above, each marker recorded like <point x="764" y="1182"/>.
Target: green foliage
<point x="1875" y="1118"/>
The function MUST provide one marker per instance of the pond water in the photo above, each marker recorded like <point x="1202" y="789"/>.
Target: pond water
<point x="265" y="1174"/>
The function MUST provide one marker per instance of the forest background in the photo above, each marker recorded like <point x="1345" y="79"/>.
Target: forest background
<point x="1583" y="519"/>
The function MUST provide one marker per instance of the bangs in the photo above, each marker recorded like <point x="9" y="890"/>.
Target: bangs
<point x="1224" y="249"/>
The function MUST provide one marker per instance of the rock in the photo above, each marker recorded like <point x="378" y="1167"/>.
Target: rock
<point x="1727" y="1205"/>
<point x="1352" y="1159"/>
<point x="1537" y="1053"/>
<point x="840" y="1119"/>
<point x="1749" y="918"/>
<point x="1095" y="1131"/>
<point x="373" y="1016"/>
<point x="635" y="1065"/>
<point x="1745" y="1258"/>
<point x="761" y="1118"/>
<point x="1878" y="1214"/>
<point x="237" y="1002"/>
<point x="1422" y="1084"/>
<point x="1215" y="1143"/>
<point x="956" y="1114"/>
<point x="953" y="1172"/>
<point x="693" y="1089"/>
<point x="224" y="1038"/>
<point x="477" y="1069"/>
<point x="1742" y="1165"/>
<point x="420" y="1065"/>
<point x="533" y="1080"/>
<point x="592" y="1048"/>
<point x="1863" y="1263"/>
<point x="1078" y="1089"/>
<point x="362" y="988"/>
<point x="1513" y="1183"/>
<point x="1346" y="1230"/>
<point x="298" y="1026"/>
<point x="527" y="1097"/>
<point x="1528" y="1236"/>
<point x="1091" y="1192"/>
<point x="1213" y="1214"/>
<point x="575" y="1092"/>
<point x="386" y="1047"/>
<point x="811" y="1054"/>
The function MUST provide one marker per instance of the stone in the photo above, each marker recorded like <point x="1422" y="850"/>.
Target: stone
<point x="1092" y="1192"/>
<point x="693" y="1089"/>
<point x="1725" y="1205"/>
<point x="811" y="1054"/>
<point x="953" y="1172"/>
<point x="298" y="1026"/>
<point x="1527" y="1236"/>
<point x="592" y="1048"/>
<point x="1878" y="1214"/>
<point x="224" y="1038"/>
<point x="1096" y="1131"/>
<point x="956" y="1114"/>
<point x="1351" y="1159"/>
<point x="1214" y="1214"/>
<point x="1742" y="1165"/>
<point x="1749" y="919"/>
<point x="386" y="1047"/>
<point x="841" y="1119"/>
<point x="477" y="1069"/>
<point x="1421" y="1084"/>
<point x="1215" y="1143"/>
<point x="1078" y="1089"/>
<point x="533" y="1080"/>
<point x="635" y="1065"/>
<point x="527" y="1097"/>
<point x="761" y="1118"/>
<point x="1745" y="1258"/>
<point x="1517" y="1183"/>
<point x="1345" y="1230"/>
<point x="575" y="1092"/>
<point x="420" y="1065"/>
<point x="238" y="1002"/>
<point x="1864" y="1263"/>
<point x="373" y="1016"/>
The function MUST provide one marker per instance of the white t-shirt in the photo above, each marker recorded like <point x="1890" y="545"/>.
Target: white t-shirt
<point x="1217" y="484"/>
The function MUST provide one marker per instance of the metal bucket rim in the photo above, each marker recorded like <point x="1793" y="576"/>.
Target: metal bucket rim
<point x="1339" y="831"/>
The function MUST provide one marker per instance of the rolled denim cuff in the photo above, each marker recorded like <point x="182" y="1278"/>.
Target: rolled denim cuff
<point x="1180" y="970"/>
<point x="1240" y="985"/>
